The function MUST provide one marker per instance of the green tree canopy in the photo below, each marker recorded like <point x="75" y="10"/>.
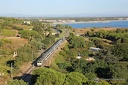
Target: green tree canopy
<point x="49" y="77"/>
<point x="121" y="50"/>
<point x="75" y="78"/>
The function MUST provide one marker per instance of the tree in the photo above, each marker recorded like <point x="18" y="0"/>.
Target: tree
<point x="79" y="65"/>
<point x="62" y="65"/>
<point x="119" y="70"/>
<point x="59" y="26"/>
<point x="103" y="83"/>
<point x="75" y="78"/>
<point x="121" y="50"/>
<point x="90" y="75"/>
<point x="49" y="77"/>
<point x="89" y="34"/>
<point x="90" y="82"/>
<point x="76" y="42"/>
<point x="28" y="34"/>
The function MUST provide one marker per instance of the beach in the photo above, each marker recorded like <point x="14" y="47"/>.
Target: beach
<point x="106" y="21"/>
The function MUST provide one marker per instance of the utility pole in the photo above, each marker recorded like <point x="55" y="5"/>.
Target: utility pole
<point x="32" y="55"/>
<point x="43" y="45"/>
<point x="11" y="71"/>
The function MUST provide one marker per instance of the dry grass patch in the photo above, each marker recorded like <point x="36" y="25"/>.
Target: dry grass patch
<point x="84" y="30"/>
<point x="16" y="42"/>
<point x="25" y="27"/>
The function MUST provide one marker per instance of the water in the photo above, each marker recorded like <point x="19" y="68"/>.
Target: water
<point x="115" y="24"/>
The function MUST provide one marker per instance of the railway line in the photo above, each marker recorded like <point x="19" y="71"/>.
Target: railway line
<point x="41" y="60"/>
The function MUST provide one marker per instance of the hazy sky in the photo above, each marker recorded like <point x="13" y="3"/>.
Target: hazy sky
<point x="65" y="7"/>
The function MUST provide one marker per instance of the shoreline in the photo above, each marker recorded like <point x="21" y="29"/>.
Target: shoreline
<point x="107" y="21"/>
<point x="82" y="30"/>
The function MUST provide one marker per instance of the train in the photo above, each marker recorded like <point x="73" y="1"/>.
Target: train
<point x="49" y="52"/>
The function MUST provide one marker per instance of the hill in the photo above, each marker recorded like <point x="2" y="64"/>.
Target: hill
<point x="9" y="43"/>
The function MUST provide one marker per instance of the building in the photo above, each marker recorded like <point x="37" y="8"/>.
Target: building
<point x="90" y="59"/>
<point x="94" y="49"/>
<point x="27" y="22"/>
<point x="79" y="56"/>
<point x="70" y="21"/>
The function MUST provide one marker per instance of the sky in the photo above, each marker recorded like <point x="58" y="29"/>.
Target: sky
<point x="64" y="8"/>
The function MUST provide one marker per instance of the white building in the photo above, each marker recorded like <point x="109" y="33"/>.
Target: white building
<point x="90" y="59"/>
<point x="94" y="49"/>
<point x="27" y="22"/>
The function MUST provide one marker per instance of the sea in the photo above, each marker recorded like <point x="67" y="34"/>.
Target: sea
<point x="100" y="24"/>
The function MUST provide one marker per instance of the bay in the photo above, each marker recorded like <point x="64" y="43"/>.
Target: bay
<point x="100" y="24"/>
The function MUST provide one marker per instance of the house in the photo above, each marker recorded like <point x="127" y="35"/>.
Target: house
<point x="94" y="49"/>
<point x="79" y="56"/>
<point x="90" y="59"/>
<point x="27" y="22"/>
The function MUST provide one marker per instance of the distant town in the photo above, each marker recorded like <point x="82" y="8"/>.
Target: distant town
<point x="61" y="20"/>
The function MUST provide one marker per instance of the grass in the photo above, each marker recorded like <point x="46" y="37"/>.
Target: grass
<point x="60" y="59"/>
<point x="8" y="46"/>
<point x="9" y="33"/>
<point x="1" y="20"/>
<point x="61" y="35"/>
<point x="25" y="27"/>
<point x="3" y="67"/>
<point x="12" y="43"/>
<point x="57" y="58"/>
<point x="95" y="38"/>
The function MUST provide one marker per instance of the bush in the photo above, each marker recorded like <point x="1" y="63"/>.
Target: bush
<point x="27" y="34"/>
<point x="17" y="28"/>
<point x="62" y="65"/>
<point x="17" y="82"/>
<point x="9" y="33"/>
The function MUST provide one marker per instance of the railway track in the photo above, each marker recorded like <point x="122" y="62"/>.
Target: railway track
<point x="27" y="74"/>
<point x="28" y="71"/>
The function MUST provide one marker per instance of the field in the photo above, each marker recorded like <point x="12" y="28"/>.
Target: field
<point x="25" y="27"/>
<point x="82" y="31"/>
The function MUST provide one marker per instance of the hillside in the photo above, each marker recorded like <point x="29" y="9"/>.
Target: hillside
<point x="22" y="43"/>
<point x="9" y="43"/>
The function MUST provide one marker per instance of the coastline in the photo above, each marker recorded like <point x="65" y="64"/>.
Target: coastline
<point x="107" y="21"/>
<point x="82" y="30"/>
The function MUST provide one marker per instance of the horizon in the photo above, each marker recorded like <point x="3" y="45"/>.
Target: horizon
<point x="57" y="16"/>
<point x="57" y="8"/>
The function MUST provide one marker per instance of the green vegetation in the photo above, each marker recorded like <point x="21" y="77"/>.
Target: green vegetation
<point x="121" y="51"/>
<point x="28" y="34"/>
<point x="17" y="82"/>
<point x="47" y="76"/>
<point x="110" y="65"/>
<point x="111" y="61"/>
<point x="37" y="39"/>
<point x="26" y="40"/>
<point x="6" y="32"/>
